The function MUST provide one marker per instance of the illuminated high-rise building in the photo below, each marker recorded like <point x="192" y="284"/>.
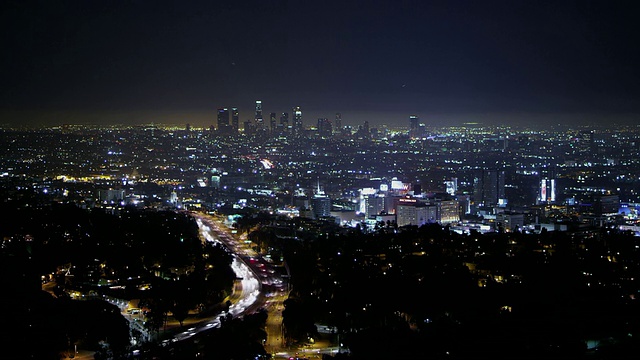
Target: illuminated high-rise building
<point x="324" y="128"/>
<point x="547" y="193"/>
<point x="284" y="122"/>
<point x="375" y="204"/>
<point x="235" y="119"/>
<point x="297" y="120"/>
<point x="489" y="188"/>
<point x="321" y="204"/>
<point x="249" y="127"/>
<point x="338" y="123"/>
<point x="223" y="120"/>
<point x="258" y="119"/>
<point x="414" y="126"/>
<point x="422" y="131"/>
<point x="448" y="211"/>
<point x="272" y="122"/>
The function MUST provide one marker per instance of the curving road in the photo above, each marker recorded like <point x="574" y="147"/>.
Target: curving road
<point x="272" y="289"/>
<point x="268" y="293"/>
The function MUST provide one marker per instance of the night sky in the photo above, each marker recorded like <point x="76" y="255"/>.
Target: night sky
<point x="448" y="62"/>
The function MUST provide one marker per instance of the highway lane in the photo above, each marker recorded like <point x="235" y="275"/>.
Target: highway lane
<point x="273" y="290"/>
<point x="246" y="291"/>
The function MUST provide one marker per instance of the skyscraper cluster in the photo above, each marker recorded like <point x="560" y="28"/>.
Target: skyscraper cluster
<point x="228" y="122"/>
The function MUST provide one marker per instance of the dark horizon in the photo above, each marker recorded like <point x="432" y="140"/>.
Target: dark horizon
<point x="496" y="61"/>
<point x="206" y="118"/>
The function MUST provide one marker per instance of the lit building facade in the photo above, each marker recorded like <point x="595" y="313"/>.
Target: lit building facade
<point x="321" y="206"/>
<point x="375" y="204"/>
<point x="258" y="118"/>
<point x="413" y="212"/>
<point x="235" y="119"/>
<point x="223" y="120"/>
<point x="337" y="124"/>
<point x="489" y="188"/>
<point x="297" y="120"/>
<point x="448" y="211"/>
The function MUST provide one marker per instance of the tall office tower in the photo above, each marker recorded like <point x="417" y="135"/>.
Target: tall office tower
<point x="249" y="127"/>
<point x="259" y="120"/>
<point x="297" y="121"/>
<point x="324" y="128"/>
<point x="223" y="120"/>
<point x="422" y="131"/>
<point x="338" y="124"/>
<point x="188" y="127"/>
<point x="284" y="122"/>
<point x="235" y="119"/>
<point x="547" y="191"/>
<point x="374" y="205"/>
<point x="414" y="124"/>
<point x="272" y="123"/>
<point x="321" y="204"/>
<point x="366" y="129"/>
<point x="489" y="188"/>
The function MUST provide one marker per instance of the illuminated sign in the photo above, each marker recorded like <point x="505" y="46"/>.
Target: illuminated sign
<point x="451" y="187"/>
<point x="397" y="185"/>
<point x="367" y="191"/>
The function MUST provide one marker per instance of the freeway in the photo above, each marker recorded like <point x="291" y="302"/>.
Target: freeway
<point x="246" y="292"/>
<point x="273" y="290"/>
<point x="259" y="287"/>
<point x="246" y="297"/>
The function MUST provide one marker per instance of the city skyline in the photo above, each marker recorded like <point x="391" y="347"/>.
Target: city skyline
<point x="448" y="63"/>
<point x="540" y="229"/>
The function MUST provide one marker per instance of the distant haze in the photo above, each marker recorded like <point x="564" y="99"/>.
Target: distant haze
<point x="376" y="119"/>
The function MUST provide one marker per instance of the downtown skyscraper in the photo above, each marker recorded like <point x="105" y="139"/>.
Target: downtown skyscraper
<point x="258" y="118"/>
<point x="297" y="121"/>
<point x="235" y="119"/>
<point x="272" y="123"/>
<point x="414" y="126"/>
<point x="284" y="122"/>
<point x="223" y="121"/>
